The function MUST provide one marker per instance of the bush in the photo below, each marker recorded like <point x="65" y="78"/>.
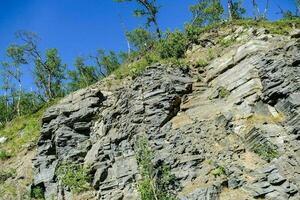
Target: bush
<point x="173" y="46"/>
<point x="4" y="155"/>
<point x="141" y="39"/>
<point x="266" y="151"/>
<point x="155" y="182"/>
<point x="219" y="171"/>
<point x="201" y="63"/>
<point x="74" y="176"/>
<point x="6" y="174"/>
<point x="223" y="92"/>
<point x="37" y="193"/>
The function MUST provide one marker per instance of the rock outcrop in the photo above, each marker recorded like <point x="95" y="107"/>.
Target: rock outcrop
<point x="234" y="135"/>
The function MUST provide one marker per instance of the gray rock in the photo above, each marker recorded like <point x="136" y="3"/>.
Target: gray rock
<point x="204" y="140"/>
<point x="276" y="178"/>
<point x="3" y="140"/>
<point x="295" y="33"/>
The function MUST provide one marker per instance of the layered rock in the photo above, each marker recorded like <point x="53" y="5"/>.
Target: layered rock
<point x="235" y="137"/>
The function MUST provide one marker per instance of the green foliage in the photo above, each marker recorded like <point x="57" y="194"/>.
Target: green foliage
<point x="6" y="174"/>
<point x="223" y="92"/>
<point x="148" y="9"/>
<point x="141" y="39"/>
<point x="201" y="63"/>
<point x="174" y="46"/>
<point x="219" y="171"/>
<point x="82" y="76"/>
<point x="49" y="74"/>
<point x="37" y="193"/>
<point x="236" y="9"/>
<point x="108" y="62"/>
<point x="280" y="27"/>
<point x="152" y="186"/>
<point x="206" y="12"/>
<point x="266" y="151"/>
<point x="193" y="33"/>
<point x="289" y="15"/>
<point x="22" y="130"/>
<point x="137" y="67"/>
<point x="225" y="42"/>
<point x="4" y="155"/>
<point x="74" y="176"/>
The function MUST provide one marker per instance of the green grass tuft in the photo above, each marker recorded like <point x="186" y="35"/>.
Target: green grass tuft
<point x="266" y="151"/>
<point x="74" y="176"/>
<point x="219" y="171"/>
<point x="21" y="132"/>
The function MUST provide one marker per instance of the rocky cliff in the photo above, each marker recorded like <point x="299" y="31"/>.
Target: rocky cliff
<point x="227" y="131"/>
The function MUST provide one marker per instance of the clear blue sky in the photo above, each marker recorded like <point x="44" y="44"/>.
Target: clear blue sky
<point x="79" y="27"/>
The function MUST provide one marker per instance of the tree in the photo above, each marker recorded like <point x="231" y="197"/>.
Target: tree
<point x="106" y="63"/>
<point x="149" y="8"/>
<point x="256" y="11"/>
<point x="16" y="54"/>
<point x="297" y="2"/>
<point x="235" y="10"/>
<point x="49" y="74"/>
<point x="82" y="76"/>
<point x="49" y="71"/>
<point x="5" y="100"/>
<point x="140" y="38"/>
<point x="206" y="12"/>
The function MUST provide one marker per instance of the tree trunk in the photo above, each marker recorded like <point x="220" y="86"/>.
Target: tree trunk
<point x="157" y="28"/>
<point x="255" y="10"/>
<point x="264" y="16"/>
<point x="49" y="85"/>
<point x="230" y="6"/>
<point x="19" y="98"/>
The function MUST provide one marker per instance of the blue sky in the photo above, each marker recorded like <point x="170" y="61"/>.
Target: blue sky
<point x="79" y="27"/>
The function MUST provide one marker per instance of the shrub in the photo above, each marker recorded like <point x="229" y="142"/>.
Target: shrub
<point x="74" y="176"/>
<point x="173" y="46"/>
<point x="155" y="182"/>
<point x="6" y="174"/>
<point x="201" y="63"/>
<point x="223" y="92"/>
<point x="4" y="155"/>
<point x="37" y="193"/>
<point x="140" y="38"/>
<point x="219" y="171"/>
<point x="266" y="151"/>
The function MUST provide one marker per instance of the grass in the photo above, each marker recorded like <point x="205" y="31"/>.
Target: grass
<point x="219" y="171"/>
<point x="223" y="92"/>
<point x="155" y="183"/>
<point x="280" y="27"/>
<point x="37" y="193"/>
<point x="21" y="132"/>
<point x="266" y="151"/>
<point x="175" y="44"/>
<point x="6" y="174"/>
<point x="201" y="63"/>
<point x="74" y="176"/>
<point x="4" y="155"/>
<point x="7" y="189"/>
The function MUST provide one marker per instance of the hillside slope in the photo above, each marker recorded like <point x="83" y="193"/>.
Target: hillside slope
<point x="228" y="130"/>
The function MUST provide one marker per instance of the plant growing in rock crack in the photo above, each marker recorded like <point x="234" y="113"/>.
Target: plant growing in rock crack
<point x="4" y="155"/>
<point x="266" y="151"/>
<point x="6" y="174"/>
<point x="218" y="171"/>
<point x="74" y="176"/>
<point x="37" y="193"/>
<point x="155" y="183"/>
<point x="223" y="92"/>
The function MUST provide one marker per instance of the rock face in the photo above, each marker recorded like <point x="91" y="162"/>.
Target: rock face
<point x="235" y="135"/>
